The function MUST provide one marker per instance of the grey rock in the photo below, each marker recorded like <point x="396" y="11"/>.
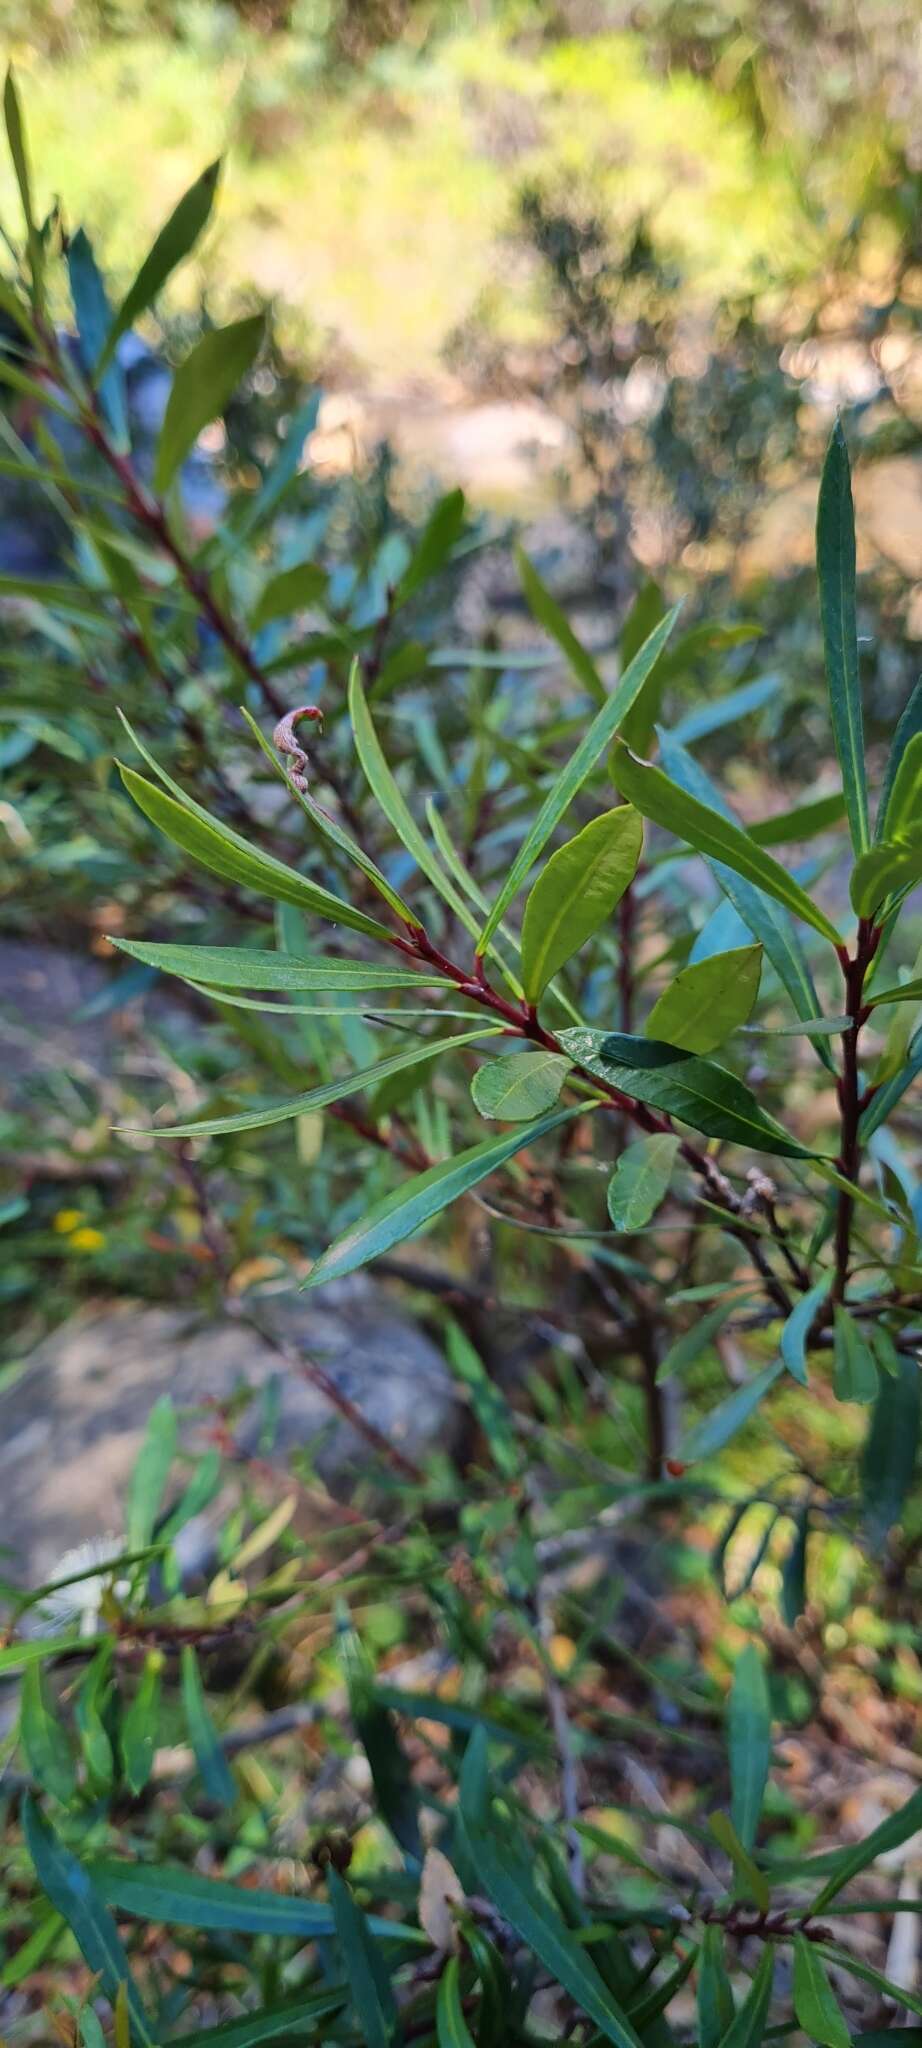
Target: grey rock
<point x="72" y="1422"/>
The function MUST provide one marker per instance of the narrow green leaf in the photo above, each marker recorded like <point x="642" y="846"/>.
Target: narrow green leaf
<point x="369" y="1984"/>
<point x="93" y="316"/>
<point x="285" y="2022"/>
<point x="209" y="1755"/>
<point x="45" y="1742"/>
<point x="600" y="734"/>
<point x="328" y="1092"/>
<point x="689" y="1346"/>
<point x="92" y="1716"/>
<point x="794" y="1570"/>
<point x="854" y="1372"/>
<point x="140" y="1725"/>
<point x="391" y="1777"/>
<point x="227" y="854"/>
<point x="884" y="1101"/>
<point x="487" y="1400"/>
<point x="15" y="134"/>
<point x="72" y="1892"/>
<point x="384" y="788"/>
<point x="902" y="992"/>
<point x="844" y="1960"/>
<point x="801" y="822"/>
<point x="750" y="1743"/>
<point x="576" y="893"/>
<point x="178" y="1897"/>
<point x="904" y="807"/>
<point x="641" y="1180"/>
<point x="798" y="1327"/>
<point x="401" y="1214"/>
<point x="885" y="871"/>
<point x="711" y="834"/>
<point x="645" y="613"/>
<point x="451" y="2026"/>
<point x="747" y="2029"/>
<point x="715" y="1997"/>
<point x="557" y="627"/>
<point x="708" y="1000"/>
<point x="292" y="590"/>
<point x="889" y="1834"/>
<point x="749" y="1879"/>
<point x="150" y="1474"/>
<point x="715" y="1430"/>
<point x="520" y="1085"/>
<point x="889" y="1460"/>
<point x="201" y="389"/>
<point x="835" y="561"/>
<point x="698" y="1091"/>
<point x="910" y="725"/>
<point x="443" y="529"/>
<point x="173" y="244"/>
<point x="238" y="967"/>
<point x="815" y="2002"/>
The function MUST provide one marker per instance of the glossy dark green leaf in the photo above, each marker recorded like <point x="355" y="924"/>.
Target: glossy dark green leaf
<point x="401" y="1214"/>
<point x="891" y="1447"/>
<point x="708" y="1000"/>
<point x="815" y="2002"/>
<point x="698" y="1091"/>
<point x="238" y="967"/>
<point x="45" y="1740"/>
<point x="370" y="1987"/>
<point x="292" y="590"/>
<point x="712" y="834"/>
<point x="443" y="529"/>
<point x="556" y="625"/>
<point x="835" y="562"/>
<point x="576" y="893"/>
<point x="854" y="1371"/>
<point x="209" y="1755"/>
<point x="601" y="732"/>
<point x="909" y="727"/>
<point x="640" y="1180"/>
<point x="226" y="854"/>
<point x="794" y="1570"/>
<point x="716" y="1429"/>
<point x="519" y="1085"/>
<point x="71" y="1890"/>
<point x="799" y="1324"/>
<point x="749" y="1723"/>
<point x="201" y="388"/>
<point x="328" y="1092"/>
<point x="177" y="237"/>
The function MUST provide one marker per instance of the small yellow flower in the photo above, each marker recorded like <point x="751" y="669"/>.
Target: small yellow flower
<point x="67" y="1220"/>
<point x="87" y="1240"/>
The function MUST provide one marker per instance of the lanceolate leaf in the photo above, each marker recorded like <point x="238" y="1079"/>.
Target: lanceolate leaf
<point x="885" y="871"/>
<point x="689" y="1346"/>
<point x="891" y="1448"/>
<point x="713" y="835"/>
<point x="557" y="626"/>
<point x="708" y="1000"/>
<point x="139" y="1726"/>
<point x="576" y="893"/>
<point x="451" y="2025"/>
<point x="798" y="1327"/>
<point x="442" y="530"/>
<point x="239" y="967"/>
<point x="890" y="1834"/>
<point x="641" y="1180"/>
<point x="291" y="590"/>
<point x="715" y="1998"/>
<point x="750" y="1743"/>
<point x="177" y="1897"/>
<point x="44" y="1741"/>
<point x="815" y="2002"/>
<point x="209" y="1755"/>
<point x="93" y="317"/>
<point x="698" y="1091"/>
<point x="178" y="235"/>
<point x="370" y="1987"/>
<point x="716" y="1429"/>
<point x="520" y="1085"/>
<point x="909" y="727"/>
<point x="904" y="808"/>
<point x="283" y="2022"/>
<point x="384" y="788"/>
<point x="749" y="1878"/>
<point x="401" y="1214"/>
<point x="599" y="736"/>
<point x="201" y="389"/>
<point x="150" y="1474"/>
<point x="855" y="1375"/>
<point x="15" y="134"/>
<point x="330" y="1091"/>
<point x="803" y="822"/>
<point x="835" y="561"/>
<point x="748" y="2028"/>
<point x="71" y="1890"/>
<point x="226" y="854"/>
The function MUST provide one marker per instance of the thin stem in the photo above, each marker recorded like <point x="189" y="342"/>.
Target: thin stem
<point x="854" y="969"/>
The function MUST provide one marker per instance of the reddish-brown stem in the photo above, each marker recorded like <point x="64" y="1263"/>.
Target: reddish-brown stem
<point x="854" y="969"/>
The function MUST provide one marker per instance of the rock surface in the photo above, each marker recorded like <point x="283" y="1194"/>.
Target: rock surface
<point x="71" y="1424"/>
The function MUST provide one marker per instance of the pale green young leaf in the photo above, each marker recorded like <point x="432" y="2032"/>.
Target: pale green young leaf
<point x="150" y="1474"/>
<point x="412" y="1205"/>
<point x="601" y="732"/>
<point x="696" y="1090"/>
<point x="576" y="893"/>
<point x="713" y="835"/>
<point x="520" y="1085"/>
<point x="815" y="2002"/>
<point x="645" y="613"/>
<point x="910" y="725"/>
<point x="749" y="1742"/>
<point x="201" y="388"/>
<point x="708" y="1000"/>
<point x="903" y="818"/>
<point x="330" y="1091"/>
<point x="854" y="1371"/>
<point x="640" y="1180"/>
<point x="173" y="244"/>
<point x="749" y="1878"/>
<point x="835" y="561"/>
<point x="885" y="871"/>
